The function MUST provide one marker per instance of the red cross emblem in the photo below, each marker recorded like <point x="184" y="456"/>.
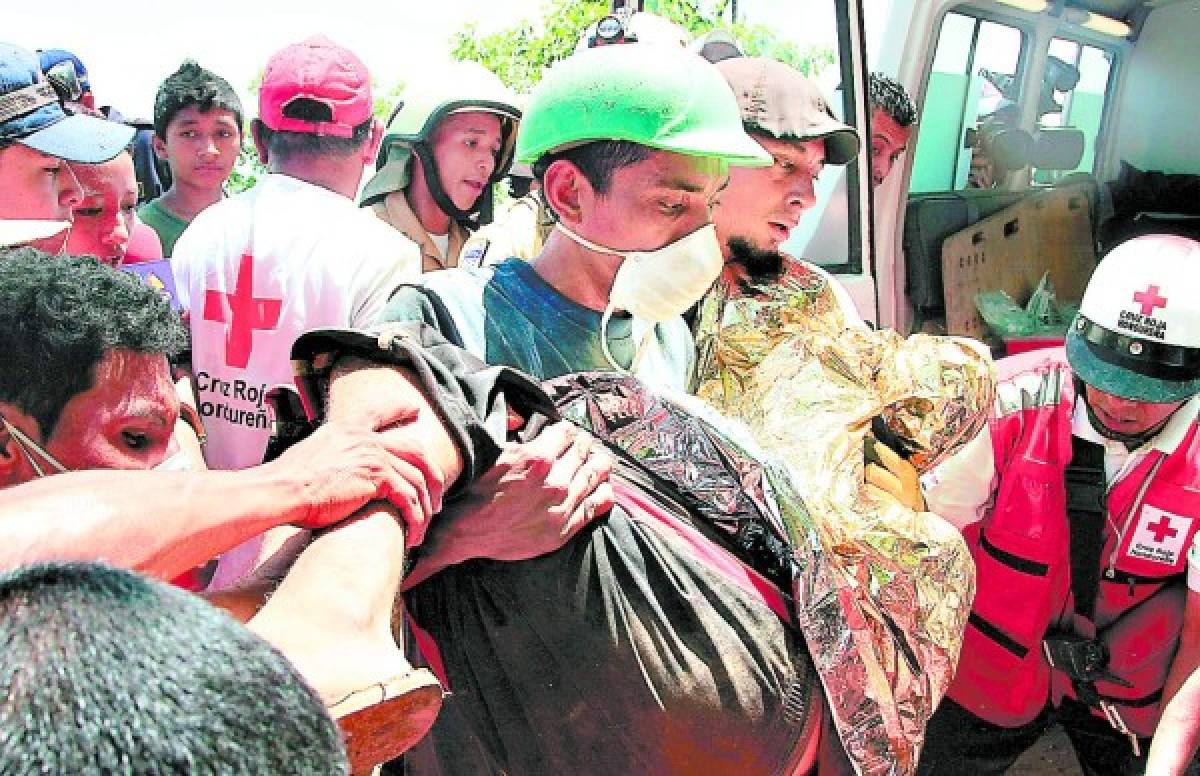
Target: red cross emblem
<point x="1149" y="299"/>
<point x="1162" y="529"/>
<point x="242" y="312"/>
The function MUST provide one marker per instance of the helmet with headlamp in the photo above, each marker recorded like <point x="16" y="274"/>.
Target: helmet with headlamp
<point x="624" y="26"/>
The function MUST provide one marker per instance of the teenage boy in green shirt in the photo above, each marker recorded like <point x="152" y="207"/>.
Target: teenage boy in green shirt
<point x="198" y="131"/>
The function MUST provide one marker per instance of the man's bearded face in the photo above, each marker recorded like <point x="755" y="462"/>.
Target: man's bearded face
<point x="761" y="206"/>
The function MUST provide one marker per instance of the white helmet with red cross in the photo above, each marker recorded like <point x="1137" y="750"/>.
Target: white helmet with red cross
<point x="1137" y="334"/>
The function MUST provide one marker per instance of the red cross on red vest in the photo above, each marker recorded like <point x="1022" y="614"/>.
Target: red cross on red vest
<point x="1149" y="299"/>
<point x="1162" y="529"/>
<point x="242" y="312"/>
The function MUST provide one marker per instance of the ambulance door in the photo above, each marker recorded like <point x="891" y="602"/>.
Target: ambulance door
<point x="824" y="40"/>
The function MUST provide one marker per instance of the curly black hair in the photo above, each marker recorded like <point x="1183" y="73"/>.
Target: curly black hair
<point x="889" y="96"/>
<point x="191" y="84"/>
<point x="59" y="316"/>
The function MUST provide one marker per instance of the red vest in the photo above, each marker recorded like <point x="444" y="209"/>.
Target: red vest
<point x="1021" y="550"/>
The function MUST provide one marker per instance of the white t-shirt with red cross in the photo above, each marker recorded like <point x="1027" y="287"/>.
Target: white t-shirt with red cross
<point x="261" y="268"/>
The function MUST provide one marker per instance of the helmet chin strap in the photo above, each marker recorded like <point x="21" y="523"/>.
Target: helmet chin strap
<point x="1131" y="441"/>
<point x="424" y="155"/>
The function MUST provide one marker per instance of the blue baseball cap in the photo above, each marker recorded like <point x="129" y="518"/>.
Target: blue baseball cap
<point x="32" y="114"/>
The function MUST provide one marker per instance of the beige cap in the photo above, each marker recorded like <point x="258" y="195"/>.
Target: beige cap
<point x="20" y="232"/>
<point x="777" y="99"/>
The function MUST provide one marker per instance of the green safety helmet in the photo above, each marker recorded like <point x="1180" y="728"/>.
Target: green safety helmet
<point x="656" y="96"/>
<point x="463" y="87"/>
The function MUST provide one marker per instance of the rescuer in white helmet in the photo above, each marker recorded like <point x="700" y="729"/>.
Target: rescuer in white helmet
<point x="1080" y="501"/>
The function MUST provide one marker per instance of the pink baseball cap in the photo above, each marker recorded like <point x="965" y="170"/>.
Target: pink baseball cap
<point x="316" y="70"/>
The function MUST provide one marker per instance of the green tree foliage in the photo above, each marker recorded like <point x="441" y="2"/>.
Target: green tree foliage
<point x="758" y="40"/>
<point x="247" y="170"/>
<point x="521" y="53"/>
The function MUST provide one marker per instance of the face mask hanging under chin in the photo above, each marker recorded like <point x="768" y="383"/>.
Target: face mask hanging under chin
<point x="644" y="343"/>
<point x="656" y="286"/>
<point x="179" y="462"/>
<point x="66" y="238"/>
<point x="29" y="448"/>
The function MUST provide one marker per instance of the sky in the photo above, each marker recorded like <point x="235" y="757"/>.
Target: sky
<point x="129" y="52"/>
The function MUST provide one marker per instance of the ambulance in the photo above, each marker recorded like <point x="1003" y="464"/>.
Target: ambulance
<point x="1048" y="132"/>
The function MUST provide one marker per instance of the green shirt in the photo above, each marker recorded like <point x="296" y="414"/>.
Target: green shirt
<point x="168" y="225"/>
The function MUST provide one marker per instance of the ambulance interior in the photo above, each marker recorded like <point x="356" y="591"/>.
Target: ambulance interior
<point x="1048" y="132"/>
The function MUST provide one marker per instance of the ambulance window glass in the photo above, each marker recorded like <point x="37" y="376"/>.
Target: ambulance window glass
<point x="1076" y="107"/>
<point x="972" y="87"/>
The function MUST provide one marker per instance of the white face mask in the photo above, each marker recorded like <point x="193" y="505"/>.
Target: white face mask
<point x="658" y="285"/>
<point x="179" y="462"/>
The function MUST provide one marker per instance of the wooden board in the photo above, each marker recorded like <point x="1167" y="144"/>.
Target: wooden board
<point x="1047" y="231"/>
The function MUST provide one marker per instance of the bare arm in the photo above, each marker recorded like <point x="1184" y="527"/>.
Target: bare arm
<point x="1178" y="734"/>
<point x="164" y="523"/>
<point x="532" y="501"/>
<point x="362" y="396"/>
<point x="159" y="523"/>
<point x="389" y="398"/>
